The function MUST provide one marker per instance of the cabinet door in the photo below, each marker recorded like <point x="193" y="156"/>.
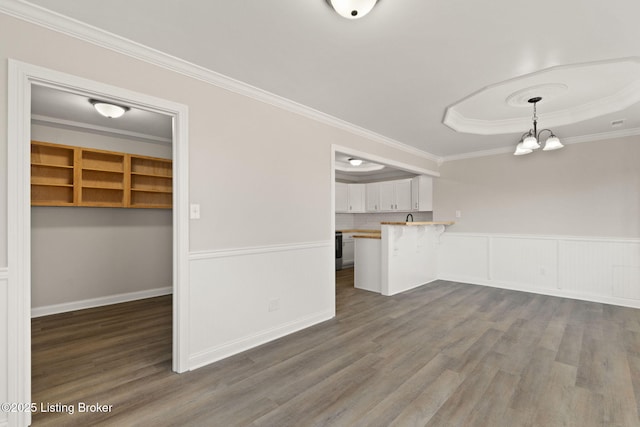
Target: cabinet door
<point x="403" y="195"/>
<point x="422" y="193"/>
<point x="348" y="254"/>
<point x="387" y="196"/>
<point x="356" y="197"/>
<point x="342" y="197"/>
<point x="372" y="197"/>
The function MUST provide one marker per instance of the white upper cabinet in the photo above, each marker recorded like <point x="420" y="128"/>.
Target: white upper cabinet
<point x="342" y="197"/>
<point x="395" y="195"/>
<point x="422" y="193"/>
<point x="372" y="197"/>
<point x="403" y="195"/>
<point x="356" y="197"/>
<point x="349" y="197"/>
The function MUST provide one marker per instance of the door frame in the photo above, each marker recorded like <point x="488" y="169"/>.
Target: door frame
<point x="21" y="77"/>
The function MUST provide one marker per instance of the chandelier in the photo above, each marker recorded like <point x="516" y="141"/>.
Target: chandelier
<point x="530" y="141"/>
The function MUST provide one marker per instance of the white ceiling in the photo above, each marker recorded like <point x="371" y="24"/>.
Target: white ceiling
<point x="59" y="108"/>
<point x="396" y="70"/>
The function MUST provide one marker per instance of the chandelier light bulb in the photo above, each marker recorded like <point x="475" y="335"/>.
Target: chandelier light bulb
<point x="520" y="150"/>
<point x="553" y="143"/>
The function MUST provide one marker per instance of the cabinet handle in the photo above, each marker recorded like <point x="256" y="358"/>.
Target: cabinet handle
<point x="350" y="208"/>
<point x="375" y="207"/>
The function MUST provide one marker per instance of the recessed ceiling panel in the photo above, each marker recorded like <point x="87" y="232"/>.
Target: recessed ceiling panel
<point x="570" y="94"/>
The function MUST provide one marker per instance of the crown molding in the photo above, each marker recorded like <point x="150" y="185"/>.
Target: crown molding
<point x="86" y="127"/>
<point x="566" y="141"/>
<point x="80" y="30"/>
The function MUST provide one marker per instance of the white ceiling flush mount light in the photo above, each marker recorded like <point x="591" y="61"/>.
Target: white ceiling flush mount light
<point x="530" y="141"/>
<point x="111" y="111"/>
<point x="352" y="9"/>
<point x="355" y="162"/>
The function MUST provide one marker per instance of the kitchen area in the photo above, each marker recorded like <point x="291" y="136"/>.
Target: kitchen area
<point x="384" y="227"/>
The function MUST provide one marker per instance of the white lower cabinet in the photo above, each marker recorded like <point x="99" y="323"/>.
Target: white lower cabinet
<point x="348" y="250"/>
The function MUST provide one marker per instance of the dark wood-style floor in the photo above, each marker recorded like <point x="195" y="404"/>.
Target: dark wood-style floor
<point x="445" y="354"/>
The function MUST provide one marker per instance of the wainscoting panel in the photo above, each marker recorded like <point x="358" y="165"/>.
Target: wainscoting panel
<point x="590" y="268"/>
<point x="464" y="256"/>
<point x="524" y="262"/>
<point x="243" y="298"/>
<point x="4" y="339"/>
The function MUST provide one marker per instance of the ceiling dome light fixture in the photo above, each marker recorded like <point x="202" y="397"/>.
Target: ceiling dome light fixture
<point x="355" y="162"/>
<point x="352" y="9"/>
<point x="530" y="141"/>
<point x="111" y="111"/>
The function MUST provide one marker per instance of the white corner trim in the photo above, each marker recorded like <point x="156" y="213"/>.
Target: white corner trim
<point x="80" y="30"/>
<point x="86" y="127"/>
<point x="216" y="353"/>
<point x="221" y="253"/>
<point x="99" y="302"/>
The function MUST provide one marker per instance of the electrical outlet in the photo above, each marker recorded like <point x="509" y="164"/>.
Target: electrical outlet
<point x="458" y="214"/>
<point x="274" y="304"/>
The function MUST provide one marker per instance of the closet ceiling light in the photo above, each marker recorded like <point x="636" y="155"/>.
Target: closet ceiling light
<point x="111" y="111"/>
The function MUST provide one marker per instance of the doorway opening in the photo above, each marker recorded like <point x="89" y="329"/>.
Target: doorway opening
<point x="366" y="190"/>
<point x="23" y="78"/>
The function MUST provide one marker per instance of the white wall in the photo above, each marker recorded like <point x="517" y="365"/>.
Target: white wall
<point x="586" y="189"/>
<point x="244" y="159"/>
<point x="83" y="257"/>
<point x="561" y="223"/>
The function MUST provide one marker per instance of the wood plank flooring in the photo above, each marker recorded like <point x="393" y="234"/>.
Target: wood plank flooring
<point x="445" y="354"/>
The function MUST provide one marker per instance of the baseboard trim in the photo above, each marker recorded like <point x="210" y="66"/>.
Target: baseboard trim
<point x="99" y="302"/>
<point x="562" y="293"/>
<point x="223" y="351"/>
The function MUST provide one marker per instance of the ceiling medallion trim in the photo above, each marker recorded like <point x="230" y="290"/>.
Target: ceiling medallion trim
<point x="618" y="101"/>
<point x="547" y="91"/>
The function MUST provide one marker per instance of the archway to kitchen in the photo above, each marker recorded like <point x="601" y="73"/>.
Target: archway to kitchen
<point x="368" y="193"/>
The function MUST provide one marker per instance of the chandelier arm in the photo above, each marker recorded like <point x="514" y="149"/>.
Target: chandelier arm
<point x="548" y="130"/>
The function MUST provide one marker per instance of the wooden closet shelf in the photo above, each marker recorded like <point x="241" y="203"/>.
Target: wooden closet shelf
<point x="50" y="165"/>
<point x="63" y="175"/>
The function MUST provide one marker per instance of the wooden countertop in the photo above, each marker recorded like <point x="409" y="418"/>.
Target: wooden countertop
<point x="419" y="223"/>
<point x="363" y="231"/>
<point x="367" y="236"/>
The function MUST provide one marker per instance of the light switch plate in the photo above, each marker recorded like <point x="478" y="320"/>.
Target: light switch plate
<point x="194" y="211"/>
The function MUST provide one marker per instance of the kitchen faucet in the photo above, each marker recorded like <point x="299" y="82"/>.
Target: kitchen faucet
<point x="409" y="215"/>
